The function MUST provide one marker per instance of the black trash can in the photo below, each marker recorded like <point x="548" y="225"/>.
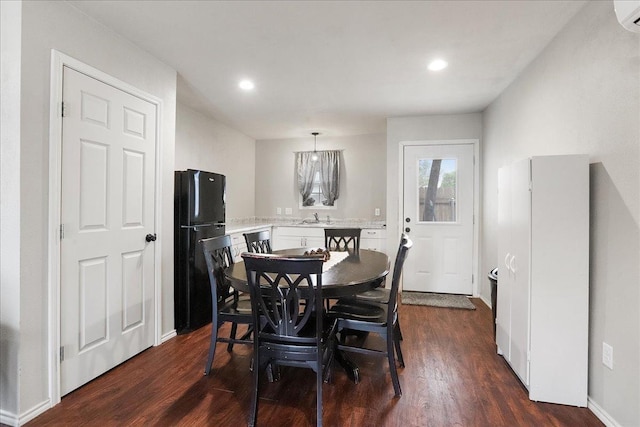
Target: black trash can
<point x="493" y="278"/>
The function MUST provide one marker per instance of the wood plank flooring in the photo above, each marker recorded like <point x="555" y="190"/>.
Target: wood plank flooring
<point x="452" y="377"/>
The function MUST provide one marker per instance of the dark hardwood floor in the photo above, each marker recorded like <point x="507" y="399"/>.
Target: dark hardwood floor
<point x="452" y="377"/>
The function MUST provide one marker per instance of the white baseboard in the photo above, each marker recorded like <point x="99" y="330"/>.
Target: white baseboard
<point x="484" y="300"/>
<point x="8" y="418"/>
<point x="39" y="409"/>
<point x="601" y="414"/>
<point x="166" y="337"/>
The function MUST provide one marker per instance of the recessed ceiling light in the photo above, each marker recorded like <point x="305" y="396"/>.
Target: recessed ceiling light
<point x="438" y="64"/>
<point x="246" y="85"/>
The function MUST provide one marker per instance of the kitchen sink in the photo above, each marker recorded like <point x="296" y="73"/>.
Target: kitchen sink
<point x="312" y="223"/>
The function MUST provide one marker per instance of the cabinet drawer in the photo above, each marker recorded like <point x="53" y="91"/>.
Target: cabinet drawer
<point x="371" y="233"/>
<point x="301" y="231"/>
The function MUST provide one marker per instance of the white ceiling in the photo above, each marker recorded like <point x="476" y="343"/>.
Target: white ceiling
<point x="337" y="67"/>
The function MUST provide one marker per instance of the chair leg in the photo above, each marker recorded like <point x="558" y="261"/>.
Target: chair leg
<point x="253" y="412"/>
<point x="396" y="341"/>
<point x="234" y="329"/>
<point x="273" y="372"/>
<point x="392" y="366"/>
<point x="319" y="381"/>
<point x="399" y="331"/>
<point x="212" y="348"/>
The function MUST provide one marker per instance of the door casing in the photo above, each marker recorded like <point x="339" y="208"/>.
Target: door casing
<point x="476" y="194"/>
<point x="58" y="61"/>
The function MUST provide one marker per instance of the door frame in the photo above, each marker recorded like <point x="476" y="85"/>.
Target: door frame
<point x="58" y="62"/>
<point x="476" y="194"/>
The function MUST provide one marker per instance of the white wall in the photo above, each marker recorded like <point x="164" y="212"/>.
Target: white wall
<point x="10" y="27"/>
<point x="57" y="25"/>
<point x="582" y="95"/>
<point x="206" y="144"/>
<point x="362" y="176"/>
<point x="419" y="128"/>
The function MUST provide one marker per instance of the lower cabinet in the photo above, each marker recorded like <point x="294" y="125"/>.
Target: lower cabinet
<point x="313" y="237"/>
<point x="239" y="246"/>
<point x="297" y="237"/>
<point x="374" y="239"/>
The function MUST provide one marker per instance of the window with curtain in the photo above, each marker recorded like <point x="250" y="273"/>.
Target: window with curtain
<point x="318" y="180"/>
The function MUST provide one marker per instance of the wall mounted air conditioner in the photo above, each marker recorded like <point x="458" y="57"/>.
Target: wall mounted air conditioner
<point x="628" y="13"/>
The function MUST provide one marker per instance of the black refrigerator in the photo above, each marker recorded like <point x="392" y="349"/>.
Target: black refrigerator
<point x="199" y="214"/>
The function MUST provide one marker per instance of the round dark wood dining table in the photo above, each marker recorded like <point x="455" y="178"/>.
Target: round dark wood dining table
<point x="358" y="272"/>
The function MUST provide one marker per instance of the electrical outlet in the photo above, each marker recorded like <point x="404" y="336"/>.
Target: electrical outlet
<point x="288" y="211"/>
<point x="377" y="212"/>
<point x="278" y="211"/>
<point x="607" y="355"/>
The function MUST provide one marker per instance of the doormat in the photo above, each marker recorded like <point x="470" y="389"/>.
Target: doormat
<point x="437" y="300"/>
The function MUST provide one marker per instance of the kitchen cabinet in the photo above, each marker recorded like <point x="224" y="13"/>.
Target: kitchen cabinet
<point x="238" y="246"/>
<point x="297" y="237"/>
<point x="313" y="237"/>
<point x="373" y="238"/>
<point x="543" y="289"/>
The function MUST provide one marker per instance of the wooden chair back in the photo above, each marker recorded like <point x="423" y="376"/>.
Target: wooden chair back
<point x="258" y="242"/>
<point x="342" y="239"/>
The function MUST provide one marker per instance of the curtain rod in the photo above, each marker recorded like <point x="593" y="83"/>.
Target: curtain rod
<point x="318" y="151"/>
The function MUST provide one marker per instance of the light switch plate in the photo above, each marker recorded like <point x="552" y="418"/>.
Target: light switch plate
<point x="288" y="211"/>
<point x="278" y="211"/>
<point x="377" y="212"/>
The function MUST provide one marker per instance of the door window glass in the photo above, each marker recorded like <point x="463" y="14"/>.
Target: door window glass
<point x="437" y="190"/>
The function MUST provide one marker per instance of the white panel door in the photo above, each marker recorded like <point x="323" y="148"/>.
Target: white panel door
<point x="438" y="211"/>
<point x="107" y="266"/>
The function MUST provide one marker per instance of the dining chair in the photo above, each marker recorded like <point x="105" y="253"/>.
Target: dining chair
<point x="258" y="242"/>
<point x="293" y="334"/>
<point x="228" y="305"/>
<point x="377" y="318"/>
<point x="342" y="239"/>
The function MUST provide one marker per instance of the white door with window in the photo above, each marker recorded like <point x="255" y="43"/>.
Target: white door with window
<point x="107" y="311"/>
<point x="438" y="217"/>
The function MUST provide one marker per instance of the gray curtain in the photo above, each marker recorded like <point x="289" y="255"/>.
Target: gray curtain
<point x="330" y="175"/>
<point x="306" y="169"/>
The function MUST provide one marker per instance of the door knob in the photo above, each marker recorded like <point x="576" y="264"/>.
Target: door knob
<point x="407" y="229"/>
<point x="150" y="238"/>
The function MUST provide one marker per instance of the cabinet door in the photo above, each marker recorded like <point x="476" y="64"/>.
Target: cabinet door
<point x="287" y="242"/>
<point x="372" y="239"/>
<point x="519" y="265"/>
<point x="313" y="242"/>
<point x="503" y="309"/>
<point x="238" y="246"/>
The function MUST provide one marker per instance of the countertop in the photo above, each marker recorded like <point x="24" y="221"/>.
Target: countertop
<point x="245" y="226"/>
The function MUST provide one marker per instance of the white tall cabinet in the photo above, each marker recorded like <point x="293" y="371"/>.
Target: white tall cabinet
<point x="542" y="314"/>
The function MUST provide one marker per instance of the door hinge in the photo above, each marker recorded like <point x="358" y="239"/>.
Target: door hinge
<point x="63" y="110"/>
<point x="473" y="278"/>
<point x="62" y="354"/>
<point x="61" y="231"/>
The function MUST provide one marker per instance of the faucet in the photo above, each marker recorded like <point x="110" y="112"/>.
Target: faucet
<point x="315" y="215"/>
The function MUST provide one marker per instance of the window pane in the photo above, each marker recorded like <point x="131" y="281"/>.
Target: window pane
<point x="316" y="198"/>
<point x="437" y="190"/>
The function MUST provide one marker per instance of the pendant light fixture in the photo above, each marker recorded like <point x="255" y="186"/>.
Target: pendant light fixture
<point x="314" y="156"/>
